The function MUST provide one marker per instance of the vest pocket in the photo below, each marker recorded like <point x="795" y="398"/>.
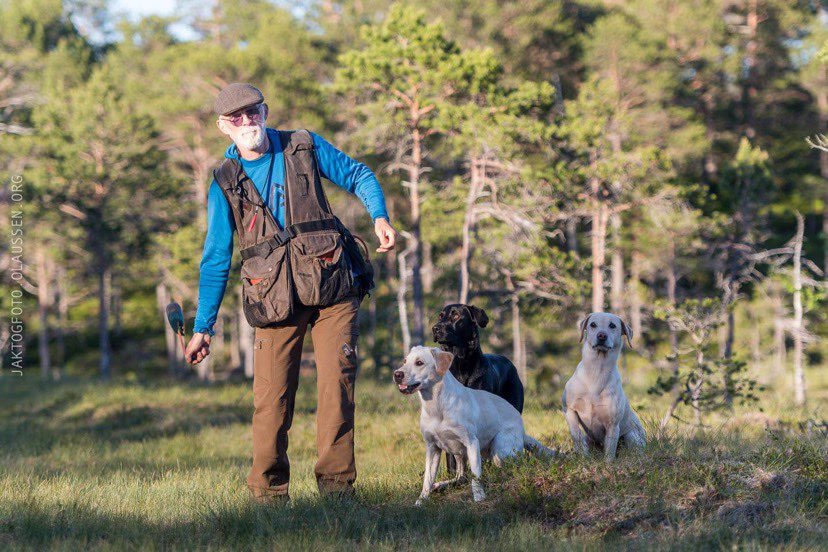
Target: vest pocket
<point x="321" y="270"/>
<point x="265" y="289"/>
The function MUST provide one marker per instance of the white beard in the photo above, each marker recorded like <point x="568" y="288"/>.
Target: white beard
<point x="251" y="138"/>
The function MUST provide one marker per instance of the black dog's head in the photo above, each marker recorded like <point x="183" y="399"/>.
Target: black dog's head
<point x="457" y="325"/>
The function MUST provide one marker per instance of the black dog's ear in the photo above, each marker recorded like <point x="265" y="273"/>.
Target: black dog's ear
<point x="479" y="316"/>
<point x="583" y="328"/>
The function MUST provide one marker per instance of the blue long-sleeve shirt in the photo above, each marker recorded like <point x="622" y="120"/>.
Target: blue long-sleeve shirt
<point x="334" y="165"/>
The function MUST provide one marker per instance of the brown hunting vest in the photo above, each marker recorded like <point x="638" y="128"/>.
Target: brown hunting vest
<point x="311" y="259"/>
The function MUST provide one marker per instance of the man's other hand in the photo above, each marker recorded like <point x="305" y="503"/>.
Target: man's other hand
<point x="386" y="234"/>
<point x="198" y="348"/>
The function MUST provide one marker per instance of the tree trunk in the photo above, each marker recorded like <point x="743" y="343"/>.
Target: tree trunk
<point x="825" y="228"/>
<point x="634" y="292"/>
<point x="371" y="338"/>
<point x="104" y="300"/>
<point x="617" y="270"/>
<point x="246" y="339"/>
<point x="428" y="268"/>
<point x="414" y="174"/>
<point x="63" y="317"/>
<point x="518" y="349"/>
<point x="234" y="348"/>
<point x="401" y="290"/>
<point x="822" y="109"/>
<point x="710" y="167"/>
<point x="572" y="236"/>
<point x="672" y="281"/>
<point x="727" y="348"/>
<point x="116" y="311"/>
<point x="779" y="337"/>
<point x="730" y="328"/>
<point x="697" y="389"/>
<point x="162" y="296"/>
<point x="468" y="223"/>
<point x="43" y="280"/>
<point x="599" y="238"/>
<point x="755" y="336"/>
<point x="749" y="64"/>
<point x="797" y="326"/>
<point x="206" y="368"/>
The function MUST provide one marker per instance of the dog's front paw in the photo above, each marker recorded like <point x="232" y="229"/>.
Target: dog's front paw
<point x="477" y="492"/>
<point x="420" y="501"/>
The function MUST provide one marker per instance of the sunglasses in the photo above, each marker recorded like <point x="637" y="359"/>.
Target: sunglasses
<point x="253" y="113"/>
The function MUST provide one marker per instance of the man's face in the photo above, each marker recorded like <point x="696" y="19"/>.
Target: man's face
<point x="246" y="127"/>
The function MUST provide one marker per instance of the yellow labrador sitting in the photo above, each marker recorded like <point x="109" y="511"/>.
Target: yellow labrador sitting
<point x="594" y="403"/>
<point x="467" y="423"/>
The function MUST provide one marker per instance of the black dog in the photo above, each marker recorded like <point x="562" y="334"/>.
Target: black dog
<point x="457" y="331"/>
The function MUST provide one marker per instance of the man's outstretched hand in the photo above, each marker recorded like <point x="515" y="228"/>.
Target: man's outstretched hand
<point x="386" y="234"/>
<point x="198" y="348"/>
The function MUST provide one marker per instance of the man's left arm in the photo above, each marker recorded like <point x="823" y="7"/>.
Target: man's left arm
<point x="358" y="179"/>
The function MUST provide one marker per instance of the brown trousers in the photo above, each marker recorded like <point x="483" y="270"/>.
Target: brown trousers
<point x="277" y="354"/>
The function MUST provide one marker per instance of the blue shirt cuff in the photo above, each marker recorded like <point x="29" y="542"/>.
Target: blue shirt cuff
<point x="208" y="331"/>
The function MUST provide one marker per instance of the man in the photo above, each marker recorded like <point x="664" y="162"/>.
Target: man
<point x="279" y="164"/>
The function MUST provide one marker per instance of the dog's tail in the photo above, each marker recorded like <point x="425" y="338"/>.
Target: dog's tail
<point x="537" y="447"/>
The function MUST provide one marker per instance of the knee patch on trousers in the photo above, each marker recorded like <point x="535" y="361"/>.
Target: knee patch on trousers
<point x="262" y="365"/>
<point x="348" y="362"/>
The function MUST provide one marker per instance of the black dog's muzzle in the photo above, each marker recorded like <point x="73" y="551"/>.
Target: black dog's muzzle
<point x="442" y="333"/>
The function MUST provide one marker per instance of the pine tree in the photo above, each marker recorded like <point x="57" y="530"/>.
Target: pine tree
<point x="406" y="70"/>
<point x="108" y="179"/>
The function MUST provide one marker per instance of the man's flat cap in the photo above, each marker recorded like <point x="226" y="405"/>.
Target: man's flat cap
<point x="237" y="96"/>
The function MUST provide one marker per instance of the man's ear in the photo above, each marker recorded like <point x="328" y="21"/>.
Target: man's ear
<point x="583" y="328"/>
<point x="221" y="127"/>
<point x="265" y="112"/>
<point x="626" y="332"/>
<point x="443" y="360"/>
<point x="479" y="316"/>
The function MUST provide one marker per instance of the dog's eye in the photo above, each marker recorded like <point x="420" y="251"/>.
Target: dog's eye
<point x="593" y="325"/>
<point x="419" y="362"/>
<point x="455" y="316"/>
<point x="612" y="325"/>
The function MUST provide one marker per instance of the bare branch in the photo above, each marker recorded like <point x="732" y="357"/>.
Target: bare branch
<point x="15" y="129"/>
<point x="820" y="142"/>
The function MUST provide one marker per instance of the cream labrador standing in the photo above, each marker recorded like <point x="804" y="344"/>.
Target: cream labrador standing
<point x="594" y="402"/>
<point x="467" y="423"/>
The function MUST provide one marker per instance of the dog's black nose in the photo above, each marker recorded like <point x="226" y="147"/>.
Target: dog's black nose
<point x="601" y="336"/>
<point x="398" y="376"/>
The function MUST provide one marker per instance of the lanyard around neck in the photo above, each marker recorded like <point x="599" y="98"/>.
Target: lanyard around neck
<point x="268" y="183"/>
<point x="272" y="151"/>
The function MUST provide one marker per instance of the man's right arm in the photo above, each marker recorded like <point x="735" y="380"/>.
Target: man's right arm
<point x="215" y="260"/>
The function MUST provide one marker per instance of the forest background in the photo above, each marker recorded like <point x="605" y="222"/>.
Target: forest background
<point x="657" y="159"/>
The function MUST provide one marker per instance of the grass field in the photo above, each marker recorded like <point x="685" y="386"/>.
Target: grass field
<point x="162" y="466"/>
